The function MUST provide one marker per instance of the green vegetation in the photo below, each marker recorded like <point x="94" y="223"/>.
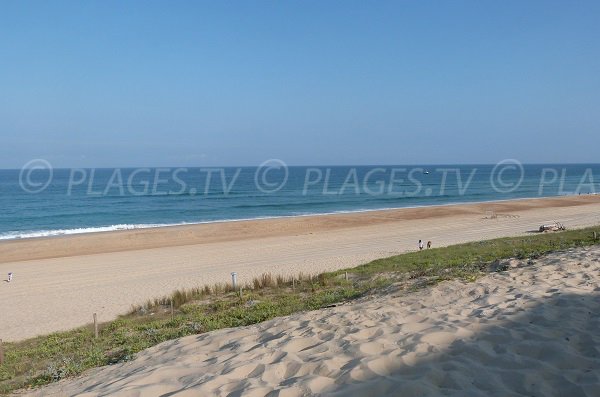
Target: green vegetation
<point x="49" y="358"/>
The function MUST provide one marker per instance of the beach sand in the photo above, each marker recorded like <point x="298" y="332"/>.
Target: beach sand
<point x="529" y="331"/>
<point x="60" y="282"/>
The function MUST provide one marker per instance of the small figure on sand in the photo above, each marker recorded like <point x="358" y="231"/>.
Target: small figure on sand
<point x="9" y="277"/>
<point x="429" y="244"/>
<point x="420" y="245"/>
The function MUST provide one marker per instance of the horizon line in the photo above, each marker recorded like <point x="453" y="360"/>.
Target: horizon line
<point x="302" y="165"/>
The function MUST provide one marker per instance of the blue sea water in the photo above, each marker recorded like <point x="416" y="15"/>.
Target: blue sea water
<point x="48" y="202"/>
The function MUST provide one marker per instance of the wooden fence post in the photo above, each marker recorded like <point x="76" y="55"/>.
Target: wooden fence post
<point x="234" y="280"/>
<point x="95" y="326"/>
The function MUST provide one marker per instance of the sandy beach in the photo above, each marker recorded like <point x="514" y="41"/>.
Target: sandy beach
<point x="290" y="199"/>
<point x="59" y="282"/>
<point x="529" y="331"/>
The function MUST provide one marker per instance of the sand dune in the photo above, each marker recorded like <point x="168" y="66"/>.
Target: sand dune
<point x="101" y="273"/>
<point x="530" y="331"/>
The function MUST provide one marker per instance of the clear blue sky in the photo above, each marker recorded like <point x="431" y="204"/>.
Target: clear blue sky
<point x="168" y="83"/>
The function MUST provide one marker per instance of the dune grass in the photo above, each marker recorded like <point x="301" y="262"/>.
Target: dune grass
<point x="49" y="358"/>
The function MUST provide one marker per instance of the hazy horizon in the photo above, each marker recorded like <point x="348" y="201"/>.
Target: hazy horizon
<point x="216" y="166"/>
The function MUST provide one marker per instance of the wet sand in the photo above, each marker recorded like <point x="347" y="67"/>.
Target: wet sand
<point x="59" y="282"/>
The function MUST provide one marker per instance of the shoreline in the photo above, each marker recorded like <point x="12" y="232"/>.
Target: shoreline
<point x="160" y="236"/>
<point x="59" y="282"/>
<point x="142" y="226"/>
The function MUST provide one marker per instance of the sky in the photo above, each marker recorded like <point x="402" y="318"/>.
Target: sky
<point x="224" y="83"/>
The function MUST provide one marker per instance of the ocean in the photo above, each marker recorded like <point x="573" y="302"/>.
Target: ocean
<point x="40" y="201"/>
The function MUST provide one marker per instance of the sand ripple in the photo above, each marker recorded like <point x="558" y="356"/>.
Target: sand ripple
<point x="531" y="331"/>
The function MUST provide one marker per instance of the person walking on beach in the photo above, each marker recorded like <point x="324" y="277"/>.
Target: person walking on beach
<point x="429" y="244"/>
<point x="9" y="277"/>
<point x="420" y="245"/>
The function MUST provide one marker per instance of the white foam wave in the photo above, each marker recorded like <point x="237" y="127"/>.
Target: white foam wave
<point x="64" y="232"/>
<point x="13" y="235"/>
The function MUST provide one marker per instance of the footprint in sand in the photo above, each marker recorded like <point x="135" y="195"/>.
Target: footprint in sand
<point x="371" y="348"/>
<point x="384" y="365"/>
<point x="367" y="333"/>
<point x="299" y="344"/>
<point x="320" y="384"/>
<point x="439" y="338"/>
